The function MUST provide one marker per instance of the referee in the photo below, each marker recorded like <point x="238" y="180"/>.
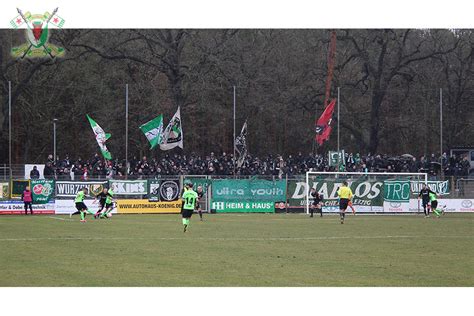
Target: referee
<point x="345" y="195"/>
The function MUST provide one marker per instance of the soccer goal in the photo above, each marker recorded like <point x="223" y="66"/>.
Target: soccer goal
<point x="374" y="192"/>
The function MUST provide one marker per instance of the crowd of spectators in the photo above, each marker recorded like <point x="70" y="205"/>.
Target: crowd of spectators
<point x="270" y="165"/>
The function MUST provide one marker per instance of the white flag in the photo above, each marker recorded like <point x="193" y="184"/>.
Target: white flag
<point x="241" y="146"/>
<point x="173" y="134"/>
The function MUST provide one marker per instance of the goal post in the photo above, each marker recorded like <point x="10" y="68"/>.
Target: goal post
<point x="366" y="186"/>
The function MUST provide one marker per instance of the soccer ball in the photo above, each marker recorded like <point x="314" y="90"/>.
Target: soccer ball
<point x="109" y="215"/>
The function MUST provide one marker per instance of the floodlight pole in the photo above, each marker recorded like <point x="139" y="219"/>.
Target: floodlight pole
<point x="441" y="129"/>
<point x="10" y="127"/>
<point x="338" y="108"/>
<point x="54" y="138"/>
<point x="234" y="135"/>
<point x="126" y="131"/>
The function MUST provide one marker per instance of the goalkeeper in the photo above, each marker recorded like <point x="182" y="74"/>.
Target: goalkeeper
<point x="102" y="196"/>
<point x="109" y="204"/>
<point x="317" y="202"/>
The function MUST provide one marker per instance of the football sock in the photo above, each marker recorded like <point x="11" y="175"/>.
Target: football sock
<point x="200" y="214"/>
<point x="83" y="216"/>
<point x="184" y="221"/>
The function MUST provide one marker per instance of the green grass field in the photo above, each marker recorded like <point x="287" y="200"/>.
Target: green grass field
<point x="237" y="250"/>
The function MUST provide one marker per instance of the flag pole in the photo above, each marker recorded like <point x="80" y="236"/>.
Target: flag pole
<point x="10" y="127"/>
<point x="126" y="131"/>
<point x="234" y="134"/>
<point x="338" y="108"/>
<point x="441" y="129"/>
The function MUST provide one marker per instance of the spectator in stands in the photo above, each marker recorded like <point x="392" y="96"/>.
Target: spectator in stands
<point x="51" y="159"/>
<point x="49" y="171"/>
<point x="34" y="173"/>
<point x="465" y="166"/>
<point x="278" y="166"/>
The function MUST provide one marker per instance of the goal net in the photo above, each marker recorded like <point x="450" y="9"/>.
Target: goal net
<point x="374" y="192"/>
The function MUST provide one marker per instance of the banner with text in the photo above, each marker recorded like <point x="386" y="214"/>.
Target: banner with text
<point x="17" y="207"/>
<point x="42" y="191"/>
<point x="396" y="191"/>
<point x="68" y="206"/>
<point x="132" y="206"/>
<point x="438" y="187"/>
<point x="129" y="187"/>
<point x="249" y="190"/>
<point x="69" y="189"/>
<point x="243" y="207"/>
<point x="367" y="194"/>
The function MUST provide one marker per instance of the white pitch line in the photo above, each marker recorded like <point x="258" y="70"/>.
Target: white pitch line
<point x="231" y="238"/>
<point x="60" y="218"/>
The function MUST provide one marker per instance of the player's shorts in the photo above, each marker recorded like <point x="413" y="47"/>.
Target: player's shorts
<point x="80" y="206"/>
<point x="187" y="213"/>
<point x="200" y="205"/>
<point x="425" y="203"/>
<point x="109" y="205"/>
<point x="434" y="205"/>
<point x="316" y="203"/>
<point x="343" y="204"/>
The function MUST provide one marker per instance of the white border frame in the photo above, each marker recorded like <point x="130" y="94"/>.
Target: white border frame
<point x="357" y="173"/>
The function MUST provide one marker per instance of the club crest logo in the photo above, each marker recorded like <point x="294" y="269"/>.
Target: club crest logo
<point x="37" y="35"/>
<point x="169" y="190"/>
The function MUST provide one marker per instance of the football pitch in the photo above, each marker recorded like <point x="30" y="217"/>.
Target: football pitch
<point x="237" y="250"/>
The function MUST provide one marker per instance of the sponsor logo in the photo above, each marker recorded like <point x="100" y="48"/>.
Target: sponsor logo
<point x="362" y="190"/>
<point x="41" y="189"/>
<point x="154" y="188"/>
<point x="145" y="206"/>
<point x="254" y="192"/>
<point x="466" y="203"/>
<point x="169" y="190"/>
<point x="280" y="205"/>
<point x="70" y="189"/>
<point x="395" y="204"/>
<point x="129" y="187"/>
<point x="218" y="206"/>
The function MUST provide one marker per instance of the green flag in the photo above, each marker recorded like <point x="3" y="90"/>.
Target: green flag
<point x="101" y="137"/>
<point x="336" y="158"/>
<point x="153" y="130"/>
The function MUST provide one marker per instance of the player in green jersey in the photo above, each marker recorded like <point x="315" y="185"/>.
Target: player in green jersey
<point x="434" y="205"/>
<point x="80" y="205"/>
<point x="189" y="204"/>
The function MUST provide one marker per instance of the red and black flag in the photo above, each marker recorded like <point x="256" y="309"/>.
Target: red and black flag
<point x="323" y="125"/>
